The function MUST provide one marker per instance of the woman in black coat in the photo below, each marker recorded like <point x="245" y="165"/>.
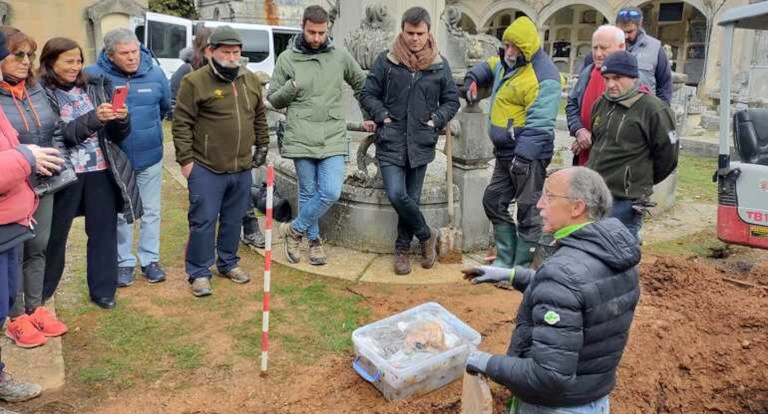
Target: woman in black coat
<point x="106" y="183"/>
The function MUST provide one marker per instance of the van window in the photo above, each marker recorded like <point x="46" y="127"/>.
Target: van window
<point x="282" y="41"/>
<point x="255" y="44"/>
<point x="166" y="39"/>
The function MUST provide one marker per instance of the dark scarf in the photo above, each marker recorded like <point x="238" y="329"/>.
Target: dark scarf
<point x="630" y="94"/>
<point x="415" y="61"/>
<point x="304" y="47"/>
<point x="11" y="80"/>
<point x="227" y="73"/>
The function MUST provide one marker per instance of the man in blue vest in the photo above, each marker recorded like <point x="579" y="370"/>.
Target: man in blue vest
<point x="128" y="63"/>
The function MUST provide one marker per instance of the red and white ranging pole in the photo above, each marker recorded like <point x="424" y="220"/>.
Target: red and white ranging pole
<point x="267" y="268"/>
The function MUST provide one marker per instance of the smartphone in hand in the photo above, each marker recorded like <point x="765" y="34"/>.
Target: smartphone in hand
<point x="119" y="97"/>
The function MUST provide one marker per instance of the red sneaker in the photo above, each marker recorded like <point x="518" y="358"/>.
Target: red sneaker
<point x="47" y="323"/>
<point x="24" y="333"/>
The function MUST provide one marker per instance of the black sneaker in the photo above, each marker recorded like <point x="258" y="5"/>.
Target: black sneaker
<point x="124" y="276"/>
<point x="153" y="272"/>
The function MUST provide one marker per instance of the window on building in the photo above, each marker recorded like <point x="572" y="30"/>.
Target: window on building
<point x="166" y="40"/>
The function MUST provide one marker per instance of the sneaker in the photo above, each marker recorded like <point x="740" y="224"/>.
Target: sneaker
<point x="46" y="323"/>
<point x="317" y="255"/>
<point x="292" y="242"/>
<point x="14" y="391"/>
<point x="402" y="262"/>
<point x="124" y="276"/>
<point x="236" y="275"/>
<point x="429" y="250"/>
<point x="24" y="333"/>
<point x="201" y="286"/>
<point x="153" y="272"/>
<point x="254" y="239"/>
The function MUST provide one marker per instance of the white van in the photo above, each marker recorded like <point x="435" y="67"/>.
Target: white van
<point x="167" y="35"/>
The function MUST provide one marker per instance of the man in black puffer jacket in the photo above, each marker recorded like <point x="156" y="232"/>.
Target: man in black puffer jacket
<point x="574" y="321"/>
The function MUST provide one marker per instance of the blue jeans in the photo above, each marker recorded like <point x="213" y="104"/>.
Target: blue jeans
<point x="150" y="183"/>
<point x="320" y="183"/>
<point x="403" y="186"/>
<point x="215" y="197"/>
<point x="601" y="406"/>
<point x="632" y="219"/>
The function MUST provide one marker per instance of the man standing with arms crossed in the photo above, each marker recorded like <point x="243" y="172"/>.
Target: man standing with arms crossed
<point x="307" y="81"/>
<point x="219" y="116"/>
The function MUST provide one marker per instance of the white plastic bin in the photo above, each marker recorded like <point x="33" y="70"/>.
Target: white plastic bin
<point x="401" y="370"/>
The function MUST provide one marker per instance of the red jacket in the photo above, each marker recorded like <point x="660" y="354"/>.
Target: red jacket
<point x="17" y="200"/>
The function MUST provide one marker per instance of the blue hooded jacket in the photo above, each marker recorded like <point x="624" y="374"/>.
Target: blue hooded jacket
<point x="149" y="100"/>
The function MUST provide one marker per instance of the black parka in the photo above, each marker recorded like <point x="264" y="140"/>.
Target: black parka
<point x="99" y="89"/>
<point x="410" y="100"/>
<point x="574" y="320"/>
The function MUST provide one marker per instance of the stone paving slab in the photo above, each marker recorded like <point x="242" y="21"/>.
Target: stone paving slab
<point x="43" y="365"/>
<point x="342" y="263"/>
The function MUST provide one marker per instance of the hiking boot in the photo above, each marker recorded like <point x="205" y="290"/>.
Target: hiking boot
<point x="15" y="391"/>
<point x="255" y="239"/>
<point x="292" y="241"/>
<point x="124" y="276"/>
<point x="24" y="333"/>
<point x="429" y="249"/>
<point x="153" y="272"/>
<point x="47" y="323"/>
<point x="402" y="262"/>
<point x="317" y="255"/>
<point x="201" y="286"/>
<point x="236" y="275"/>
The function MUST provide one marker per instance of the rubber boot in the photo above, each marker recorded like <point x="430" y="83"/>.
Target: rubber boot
<point x="505" y="238"/>
<point x="524" y="251"/>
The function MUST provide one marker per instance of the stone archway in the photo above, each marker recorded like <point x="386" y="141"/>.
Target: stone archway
<point x="497" y="6"/>
<point x="681" y="24"/>
<point x="468" y="18"/>
<point x="601" y="6"/>
<point x="567" y="35"/>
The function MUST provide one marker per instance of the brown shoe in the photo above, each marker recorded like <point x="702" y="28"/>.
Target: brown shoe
<point x="317" y="255"/>
<point x="429" y="250"/>
<point x="402" y="262"/>
<point x="237" y="275"/>
<point x="291" y="242"/>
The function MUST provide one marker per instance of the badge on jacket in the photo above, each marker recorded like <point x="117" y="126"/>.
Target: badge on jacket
<point x="551" y="317"/>
<point x="218" y="94"/>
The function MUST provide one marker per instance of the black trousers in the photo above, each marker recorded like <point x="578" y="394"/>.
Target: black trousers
<point x="525" y="190"/>
<point x="95" y="196"/>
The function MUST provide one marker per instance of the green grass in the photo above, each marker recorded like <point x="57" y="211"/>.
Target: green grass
<point x="695" y="179"/>
<point x="561" y="109"/>
<point x="701" y="244"/>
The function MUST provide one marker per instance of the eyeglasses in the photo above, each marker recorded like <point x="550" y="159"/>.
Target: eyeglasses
<point x="20" y="55"/>
<point x="631" y="13"/>
<point x="549" y="196"/>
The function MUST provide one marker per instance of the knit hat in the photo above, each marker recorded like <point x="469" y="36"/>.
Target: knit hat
<point x="225" y="35"/>
<point x="620" y="63"/>
<point x="3" y="49"/>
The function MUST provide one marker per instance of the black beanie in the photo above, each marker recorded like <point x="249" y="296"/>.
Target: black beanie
<point x="620" y="63"/>
<point x="3" y="49"/>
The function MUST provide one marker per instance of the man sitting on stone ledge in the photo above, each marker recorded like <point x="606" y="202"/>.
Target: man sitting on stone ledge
<point x="411" y="96"/>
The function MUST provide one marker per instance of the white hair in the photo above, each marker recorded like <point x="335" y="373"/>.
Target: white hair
<point x="117" y="36"/>
<point x="609" y="29"/>
<point x="589" y="186"/>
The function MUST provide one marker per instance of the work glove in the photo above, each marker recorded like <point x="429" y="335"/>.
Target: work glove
<point x="519" y="166"/>
<point x="477" y="362"/>
<point x="260" y="156"/>
<point x="488" y="274"/>
<point x="470" y="91"/>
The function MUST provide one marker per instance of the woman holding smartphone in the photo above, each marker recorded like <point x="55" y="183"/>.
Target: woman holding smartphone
<point x="25" y="103"/>
<point x="106" y="184"/>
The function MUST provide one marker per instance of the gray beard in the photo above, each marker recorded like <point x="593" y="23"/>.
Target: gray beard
<point x="227" y="64"/>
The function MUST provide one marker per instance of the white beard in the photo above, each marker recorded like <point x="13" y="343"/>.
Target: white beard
<point x="230" y="65"/>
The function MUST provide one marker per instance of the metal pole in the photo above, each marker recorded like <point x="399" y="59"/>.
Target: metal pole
<point x="725" y="92"/>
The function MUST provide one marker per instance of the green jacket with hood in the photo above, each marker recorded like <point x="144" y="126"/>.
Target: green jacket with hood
<point x="310" y="85"/>
<point x="634" y="144"/>
<point x="216" y="122"/>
